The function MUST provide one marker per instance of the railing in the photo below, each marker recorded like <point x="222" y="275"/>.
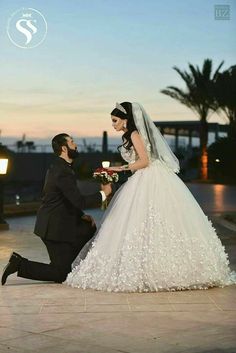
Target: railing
<point x="89" y="148"/>
<point x="48" y="148"/>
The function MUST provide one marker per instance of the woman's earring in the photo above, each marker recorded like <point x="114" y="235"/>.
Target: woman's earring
<point x="125" y="125"/>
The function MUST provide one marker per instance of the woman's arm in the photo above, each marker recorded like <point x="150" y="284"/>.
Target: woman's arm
<point x="139" y="147"/>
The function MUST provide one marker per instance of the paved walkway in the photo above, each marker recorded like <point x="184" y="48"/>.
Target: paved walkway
<point x="214" y="197"/>
<point x="41" y="317"/>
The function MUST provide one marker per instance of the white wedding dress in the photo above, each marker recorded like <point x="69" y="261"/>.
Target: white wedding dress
<point x="154" y="237"/>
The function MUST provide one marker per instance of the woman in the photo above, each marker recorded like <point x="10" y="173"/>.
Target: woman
<point x="154" y="235"/>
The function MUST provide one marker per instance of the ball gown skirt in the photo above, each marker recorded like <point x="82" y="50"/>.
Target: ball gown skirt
<point x="154" y="237"/>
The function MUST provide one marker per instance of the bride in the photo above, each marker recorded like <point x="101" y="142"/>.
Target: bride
<point x="154" y="236"/>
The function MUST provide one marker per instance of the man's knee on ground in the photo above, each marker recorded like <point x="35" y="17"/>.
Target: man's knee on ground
<point x="61" y="275"/>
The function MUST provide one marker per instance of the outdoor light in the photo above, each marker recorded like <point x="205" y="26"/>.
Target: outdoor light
<point x="17" y="199"/>
<point x="105" y="164"/>
<point x="3" y="165"/>
<point x="217" y="160"/>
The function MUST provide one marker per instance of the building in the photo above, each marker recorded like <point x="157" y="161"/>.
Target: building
<point x="188" y="129"/>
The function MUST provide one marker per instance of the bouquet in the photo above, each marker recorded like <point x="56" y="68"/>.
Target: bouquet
<point x="105" y="176"/>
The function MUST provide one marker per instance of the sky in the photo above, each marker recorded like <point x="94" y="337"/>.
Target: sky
<point x="99" y="52"/>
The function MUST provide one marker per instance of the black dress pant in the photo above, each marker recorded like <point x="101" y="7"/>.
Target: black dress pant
<point x="61" y="254"/>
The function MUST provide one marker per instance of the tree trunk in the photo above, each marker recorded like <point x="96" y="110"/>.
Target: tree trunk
<point x="203" y="149"/>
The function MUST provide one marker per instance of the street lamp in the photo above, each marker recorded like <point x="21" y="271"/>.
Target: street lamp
<point x="3" y="166"/>
<point x="3" y="171"/>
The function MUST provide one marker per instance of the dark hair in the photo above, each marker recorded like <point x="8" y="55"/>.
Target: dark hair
<point x="58" y="141"/>
<point x="126" y="137"/>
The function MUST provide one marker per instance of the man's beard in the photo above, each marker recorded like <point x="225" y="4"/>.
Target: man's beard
<point x="72" y="154"/>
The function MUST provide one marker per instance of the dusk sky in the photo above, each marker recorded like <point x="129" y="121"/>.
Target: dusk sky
<point x="97" y="52"/>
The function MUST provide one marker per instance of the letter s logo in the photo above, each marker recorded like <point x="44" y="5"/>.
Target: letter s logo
<point x="25" y="31"/>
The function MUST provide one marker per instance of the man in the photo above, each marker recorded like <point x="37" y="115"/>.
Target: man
<point x="60" y="223"/>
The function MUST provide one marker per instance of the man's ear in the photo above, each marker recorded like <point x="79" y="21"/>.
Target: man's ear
<point x="64" y="149"/>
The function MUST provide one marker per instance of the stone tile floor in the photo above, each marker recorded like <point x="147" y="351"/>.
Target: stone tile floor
<point x="45" y="317"/>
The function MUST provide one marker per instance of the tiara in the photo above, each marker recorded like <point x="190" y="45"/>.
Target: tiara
<point x="122" y="109"/>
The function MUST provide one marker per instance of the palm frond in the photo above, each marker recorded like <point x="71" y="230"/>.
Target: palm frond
<point x="217" y="71"/>
<point x="207" y="68"/>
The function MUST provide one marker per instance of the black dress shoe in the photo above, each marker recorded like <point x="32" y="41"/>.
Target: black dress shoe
<point x="12" y="266"/>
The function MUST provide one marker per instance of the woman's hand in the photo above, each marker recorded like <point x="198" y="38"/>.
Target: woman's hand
<point x="116" y="169"/>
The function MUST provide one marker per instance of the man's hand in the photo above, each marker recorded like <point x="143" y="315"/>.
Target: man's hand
<point x="107" y="189"/>
<point x="90" y="219"/>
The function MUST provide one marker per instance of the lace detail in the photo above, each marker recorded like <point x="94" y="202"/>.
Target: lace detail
<point x="129" y="156"/>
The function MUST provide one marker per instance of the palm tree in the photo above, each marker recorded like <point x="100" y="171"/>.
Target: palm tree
<point x="198" y="96"/>
<point x="225" y="96"/>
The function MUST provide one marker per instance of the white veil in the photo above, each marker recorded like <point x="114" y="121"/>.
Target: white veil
<point x="156" y="145"/>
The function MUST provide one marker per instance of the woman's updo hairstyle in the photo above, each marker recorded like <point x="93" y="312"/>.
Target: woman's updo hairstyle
<point x="125" y="113"/>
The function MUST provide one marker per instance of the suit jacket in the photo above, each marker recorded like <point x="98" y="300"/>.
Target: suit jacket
<point x="59" y="216"/>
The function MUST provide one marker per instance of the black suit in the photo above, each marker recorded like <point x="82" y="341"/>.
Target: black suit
<point x="59" y="224"/>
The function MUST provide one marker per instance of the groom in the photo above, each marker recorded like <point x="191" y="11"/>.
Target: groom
<point x="60" y="223"/>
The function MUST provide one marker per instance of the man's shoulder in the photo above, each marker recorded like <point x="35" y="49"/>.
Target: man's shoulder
<point x="60" y="166"/>
<point x="57" y="166"/>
